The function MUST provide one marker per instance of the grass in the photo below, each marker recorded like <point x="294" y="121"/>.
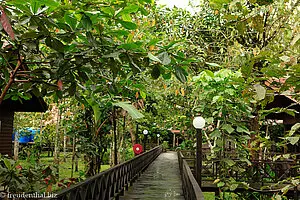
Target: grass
<point x="209" y="195"/>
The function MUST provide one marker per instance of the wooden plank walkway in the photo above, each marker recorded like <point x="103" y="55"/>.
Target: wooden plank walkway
<point x="161" y="180"/>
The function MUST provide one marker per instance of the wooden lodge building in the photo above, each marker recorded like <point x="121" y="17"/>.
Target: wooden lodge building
<point x="7" y="110"/>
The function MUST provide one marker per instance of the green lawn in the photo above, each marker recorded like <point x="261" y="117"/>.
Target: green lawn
<point x="209" y="195"/>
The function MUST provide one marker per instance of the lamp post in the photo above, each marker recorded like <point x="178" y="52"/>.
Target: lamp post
<point x="158" y="135"/>
<point x="199" y="123"/>
<point x="145" y="132"/>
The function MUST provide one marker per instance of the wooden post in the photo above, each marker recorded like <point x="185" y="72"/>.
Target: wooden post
<point x="145" y="138"/>
<point x="199" y="157"/>
<point x="174" y="138"/>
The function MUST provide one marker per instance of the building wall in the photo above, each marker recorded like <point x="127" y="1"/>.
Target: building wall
<point x="6" y="130"/>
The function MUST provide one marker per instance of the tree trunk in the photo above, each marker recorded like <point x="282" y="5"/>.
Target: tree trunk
<point x="254" y="126"/>
<point x="76" y="159"/>
<point x="57" y="141"/>
<point x="65" y="145"/>
<point x="16" y="146"/>
<point x="73" y="156"/>
<point x="132" y="134"/>
<point x="121" y="159"/>
<point x="115" y="137"/>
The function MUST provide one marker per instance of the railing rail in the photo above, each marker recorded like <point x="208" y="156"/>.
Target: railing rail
<point x="191" y="189"/>
<point x="259" y="173"/>
<point x="112" y="182"/>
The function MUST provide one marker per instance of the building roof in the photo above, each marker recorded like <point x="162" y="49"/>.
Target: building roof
<point x="283" y="101"/>
<point x="35" y="104"/>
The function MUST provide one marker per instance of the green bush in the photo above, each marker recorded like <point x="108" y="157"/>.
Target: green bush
<point x="165" y="145"/>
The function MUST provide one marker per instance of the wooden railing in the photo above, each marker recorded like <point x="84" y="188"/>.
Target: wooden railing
<point x="112" y="182"/>
<point x="191" y="189"/>
<point x="259" y="173"/>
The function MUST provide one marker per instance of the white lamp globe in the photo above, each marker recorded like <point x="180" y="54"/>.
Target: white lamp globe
<point x="158" y="135"/>
<point x="145" y="132"/>
<point x="199" y="122"/>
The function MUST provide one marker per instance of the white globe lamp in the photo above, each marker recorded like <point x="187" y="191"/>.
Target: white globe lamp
<point x="199" y="122"/>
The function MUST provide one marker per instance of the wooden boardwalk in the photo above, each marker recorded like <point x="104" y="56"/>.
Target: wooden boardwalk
<point x="161" y="180"/>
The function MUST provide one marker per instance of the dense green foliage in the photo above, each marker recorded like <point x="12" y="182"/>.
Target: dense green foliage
<point x="107" y="67"/>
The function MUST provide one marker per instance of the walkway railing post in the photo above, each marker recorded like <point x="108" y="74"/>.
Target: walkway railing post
<point x="199" y="157"/>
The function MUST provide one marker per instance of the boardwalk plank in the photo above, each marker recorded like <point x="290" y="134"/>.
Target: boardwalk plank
<point x="161" y="180"/>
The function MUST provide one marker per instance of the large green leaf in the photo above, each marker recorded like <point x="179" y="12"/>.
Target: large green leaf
<point x="180" y="74"/>
<point x="233" y="186"/>
<point x="260" y="92"/>
<point x="86" y="22"/>
<point x="128" y="25"/>
<point x="70" y="20"/>
<point x="294" y="128"/>
<point x="155" y="72"/>
<point x="229" y="162"/>
<point x="293" y="140"/>
<point x="164" y="58"/>
<point x="153" y="57"/>
<point x="130" y="9"/>
<point x="228" y="128"/>
<point x="132" y="111"/>
<point x="108" y="10"/>
<point x="55" y="44"/>
<point x="96" y="110"/>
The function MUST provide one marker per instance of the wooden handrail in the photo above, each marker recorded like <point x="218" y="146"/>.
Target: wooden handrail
<point x="191" y="189"/>
<point x="110" y="183"/>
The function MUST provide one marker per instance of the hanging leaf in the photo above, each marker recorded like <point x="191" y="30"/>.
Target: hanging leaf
<point x="6" y="24"/>
<point x="295" y="39"/>
<point x="55" y="44"/>
<point x="154" y="58"/>
<point x="128" y="25"/>
<point x="60" y="85"/>
<point x="180" y="74"/>
<point x="70" y="20"/>
<point x="233" y="186"/>
<point x="182" y="91"/>
<point x="108" y="10"/>
<point x="96" y="109"/>
<point x="228" y="128"/>
<point x="132" y="111"/>
<point x="293" y="140"/>
<point x="242" y="130"/>
<point x="137" y="95"/>
<point x="155" y="72"/>
<point x="143" y="94"/>
<point x="164" y="58"/>
<point x="229" y="162"/>
<point x="167" y="76"/>
<point x="260" y="92"/>
<point x="220" y="184"/>
<point x="86" y="22"/>
<point x="130" y="9"/>
<point x="212" y="64"/>
<point x="294" y="128"/>
<point x="72" y="89"/>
